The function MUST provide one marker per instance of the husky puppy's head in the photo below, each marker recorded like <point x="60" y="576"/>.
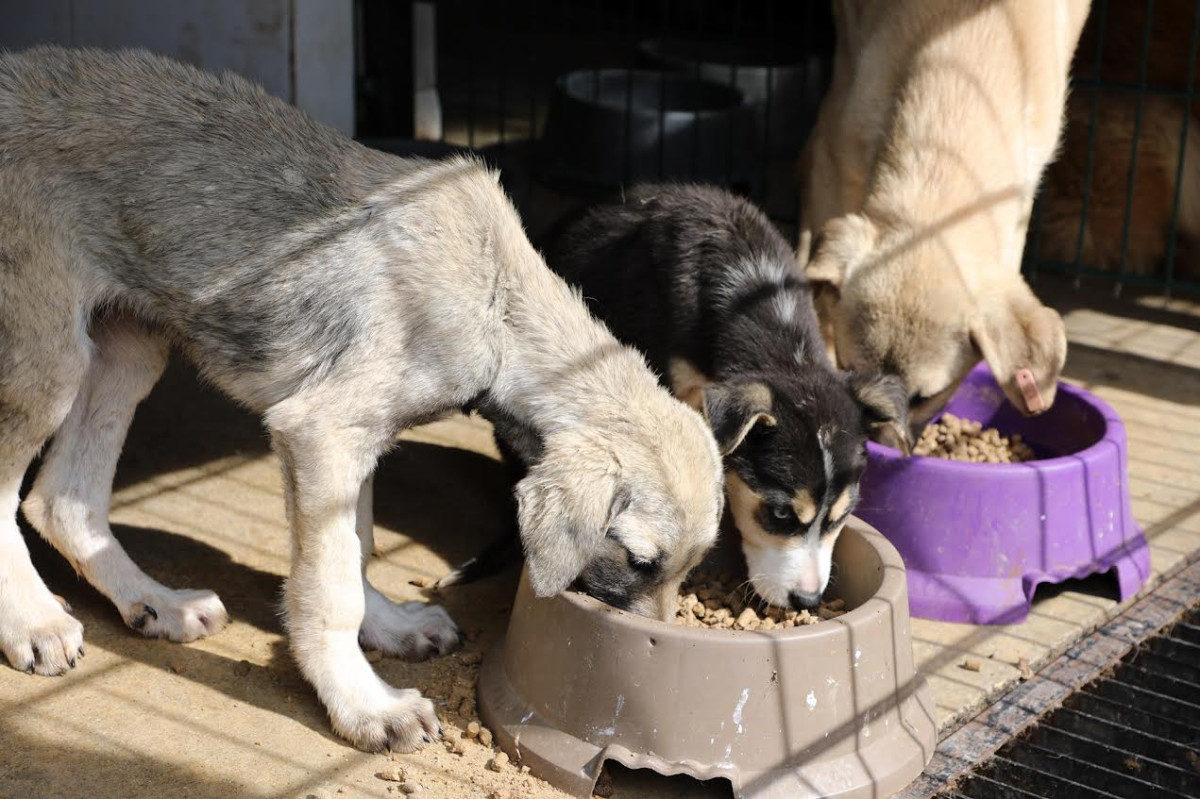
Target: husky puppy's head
<point x="624" y="507"/>
<point x="795" y="449"/>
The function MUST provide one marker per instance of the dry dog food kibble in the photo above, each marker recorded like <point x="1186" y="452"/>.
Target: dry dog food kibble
<point x="958" y="439"/>
<point x="721" y="602"/>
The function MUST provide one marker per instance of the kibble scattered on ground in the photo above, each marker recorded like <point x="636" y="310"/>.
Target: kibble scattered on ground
<point x="719" y="601"/>
<point x="467" y="763"/>
<point x="958" y="439"/>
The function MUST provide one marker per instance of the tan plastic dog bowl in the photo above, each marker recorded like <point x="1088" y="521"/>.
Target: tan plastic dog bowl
<point x="832" y="709"/>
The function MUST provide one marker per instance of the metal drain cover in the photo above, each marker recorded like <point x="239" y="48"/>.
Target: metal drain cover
<point x="1118" y="715"/>
<point x="1134" y="734"/>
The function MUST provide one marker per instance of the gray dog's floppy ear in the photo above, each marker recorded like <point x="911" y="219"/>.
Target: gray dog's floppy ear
<point x="884" y="400"/>
<point x="733" y="410"/>
<point x="565" y="506"/>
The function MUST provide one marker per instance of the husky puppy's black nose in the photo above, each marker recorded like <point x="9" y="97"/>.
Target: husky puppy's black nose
<point x="801" y="600"/>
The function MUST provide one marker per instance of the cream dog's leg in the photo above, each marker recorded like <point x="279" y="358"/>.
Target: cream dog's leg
<point x="325" y="463"/>
<point x="69" y="502"/>
<point x="409" y="630"/>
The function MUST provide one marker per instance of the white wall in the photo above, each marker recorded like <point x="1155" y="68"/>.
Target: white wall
<point x="300" y="50"/>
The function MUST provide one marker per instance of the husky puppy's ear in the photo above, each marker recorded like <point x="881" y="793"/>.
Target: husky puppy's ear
<point x="732" y="411"/>
<point x="884" y="402"/>
<point x="565" y="507"/>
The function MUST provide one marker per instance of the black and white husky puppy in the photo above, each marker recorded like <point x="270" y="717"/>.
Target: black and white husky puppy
<point x="705" y="285"/>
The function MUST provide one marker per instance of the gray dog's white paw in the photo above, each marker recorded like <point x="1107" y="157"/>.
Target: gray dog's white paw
<point x="179" y="616"/>
<point x="39" y="636"/>
<point x="410" y="631"/>
<point x="404" y="722"/>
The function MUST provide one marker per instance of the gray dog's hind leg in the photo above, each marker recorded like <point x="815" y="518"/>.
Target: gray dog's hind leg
<point x="69" y="502"/>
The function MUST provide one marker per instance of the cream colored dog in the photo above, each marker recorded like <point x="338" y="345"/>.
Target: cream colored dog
<point x="918" y="183"/>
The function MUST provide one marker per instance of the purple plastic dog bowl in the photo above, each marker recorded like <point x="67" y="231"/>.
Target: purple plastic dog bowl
<point x="977" y="539"/>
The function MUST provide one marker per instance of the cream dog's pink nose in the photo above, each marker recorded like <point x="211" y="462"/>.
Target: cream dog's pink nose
<point x="1029" y="390"/>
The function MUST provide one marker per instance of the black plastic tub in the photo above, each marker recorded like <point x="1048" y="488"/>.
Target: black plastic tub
<point x="615" y="127"/>
<point x="783" y="85"/>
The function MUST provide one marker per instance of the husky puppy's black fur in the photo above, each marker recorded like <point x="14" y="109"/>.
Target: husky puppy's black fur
<point x="705" y="285"/>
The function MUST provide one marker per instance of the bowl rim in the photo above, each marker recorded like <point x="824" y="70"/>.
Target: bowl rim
<point x="661" y="47"/>
<point x="737" y="97"/>
<point x="893" y="588"/>
<point x="1113" y="431"/>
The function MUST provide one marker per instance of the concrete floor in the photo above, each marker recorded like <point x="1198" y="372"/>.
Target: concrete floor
<point x="198" y="504"/>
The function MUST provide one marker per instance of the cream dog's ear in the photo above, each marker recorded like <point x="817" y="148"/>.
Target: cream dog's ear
<point x="1024" y="344"/>
<point x="839" y="248"/>
<point x="565" y="507"/>
<point x="732" y="410"/>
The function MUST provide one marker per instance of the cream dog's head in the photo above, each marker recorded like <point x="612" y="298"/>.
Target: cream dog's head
<point x="624" y="508"/>
<point x="903" y="304"/>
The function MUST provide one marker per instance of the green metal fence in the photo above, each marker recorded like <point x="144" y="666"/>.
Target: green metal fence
<point x="1154" y="192"/>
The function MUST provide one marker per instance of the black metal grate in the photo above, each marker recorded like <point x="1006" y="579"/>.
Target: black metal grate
<point x="1125" y="157"/>
<point x="498" y="65"/>
<point x="1119" y="204"/>
<point x="1134" y="734"/>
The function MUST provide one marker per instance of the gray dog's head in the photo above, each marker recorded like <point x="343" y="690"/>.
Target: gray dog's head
<point x="625" y="508"/>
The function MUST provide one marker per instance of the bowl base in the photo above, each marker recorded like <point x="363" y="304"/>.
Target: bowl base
<point x="573" y="766"/>
<point x="1008" y="600"/>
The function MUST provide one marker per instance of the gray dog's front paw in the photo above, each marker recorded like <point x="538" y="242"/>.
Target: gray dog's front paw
<point x="404" y="722"/>
<point x="39" y="636"/>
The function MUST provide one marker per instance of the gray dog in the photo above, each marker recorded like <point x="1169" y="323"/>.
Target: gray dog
<point x="343" y="294"/>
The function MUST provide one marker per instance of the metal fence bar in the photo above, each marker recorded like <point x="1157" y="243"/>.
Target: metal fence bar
<point x="627" y="157"/>
<point x="806" y="39"/>
<point x="501" y="99"/>
<point x="1127" y="88"/>
<point x="1131" y="280"/>
<point x="666" y="34"/>
<point x="470" y="81"/>
<point x="1139" y="111"/>
<point x="630" y="26"/>
<point x="733" y="73"/>
<point x="696" y="99"/>
<point x="1089" y="169"/>
<point x="764" y="174"/>
<point x="531" y="75"/>
<point x="1183" y="134"/>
